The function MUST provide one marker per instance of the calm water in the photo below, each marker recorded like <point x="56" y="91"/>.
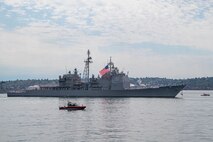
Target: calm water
<point x="183" y="119"/>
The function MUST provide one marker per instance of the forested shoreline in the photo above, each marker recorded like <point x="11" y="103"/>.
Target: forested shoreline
<point x="204" y="83"/>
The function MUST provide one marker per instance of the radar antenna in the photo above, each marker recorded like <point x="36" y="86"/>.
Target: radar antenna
<point x="86" y="68"/>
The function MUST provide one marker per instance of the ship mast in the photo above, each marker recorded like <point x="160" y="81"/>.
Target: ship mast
<point x="86" y="68"/>
<point x="111" y="64"/>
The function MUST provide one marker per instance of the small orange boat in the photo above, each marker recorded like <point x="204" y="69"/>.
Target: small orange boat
<point x="72" y="106"/>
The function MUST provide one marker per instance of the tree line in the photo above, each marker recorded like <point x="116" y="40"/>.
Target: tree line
<point x="204" y="83"/>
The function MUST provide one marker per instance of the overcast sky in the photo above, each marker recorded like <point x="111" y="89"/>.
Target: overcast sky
<point x="148" y="38"/>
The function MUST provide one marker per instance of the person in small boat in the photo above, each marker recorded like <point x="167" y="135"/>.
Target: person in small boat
<point x="71" y="104"/>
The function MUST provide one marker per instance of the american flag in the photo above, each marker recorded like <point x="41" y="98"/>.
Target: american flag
<point x="104" y="70"/>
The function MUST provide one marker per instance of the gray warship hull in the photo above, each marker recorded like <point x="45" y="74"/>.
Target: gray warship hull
<point x="161" y="92"/>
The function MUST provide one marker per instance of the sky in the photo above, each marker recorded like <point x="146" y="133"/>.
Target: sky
<point x="146" y="38"/>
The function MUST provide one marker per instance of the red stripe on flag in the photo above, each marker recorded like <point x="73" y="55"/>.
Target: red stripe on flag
<point x="104" y="71"/>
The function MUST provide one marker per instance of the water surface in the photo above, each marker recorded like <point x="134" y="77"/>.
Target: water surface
<point x="185" y="118"/>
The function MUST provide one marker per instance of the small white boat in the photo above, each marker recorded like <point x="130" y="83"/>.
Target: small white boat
<point x="205" y="94"/>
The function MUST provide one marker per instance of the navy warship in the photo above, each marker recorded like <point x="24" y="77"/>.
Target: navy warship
<point x="112" y="83"/>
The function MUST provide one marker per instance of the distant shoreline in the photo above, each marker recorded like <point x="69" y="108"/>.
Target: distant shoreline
<point x="204" y="83"/>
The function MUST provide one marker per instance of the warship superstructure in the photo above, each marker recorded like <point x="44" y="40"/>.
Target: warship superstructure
<point x="112" y="83"/>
